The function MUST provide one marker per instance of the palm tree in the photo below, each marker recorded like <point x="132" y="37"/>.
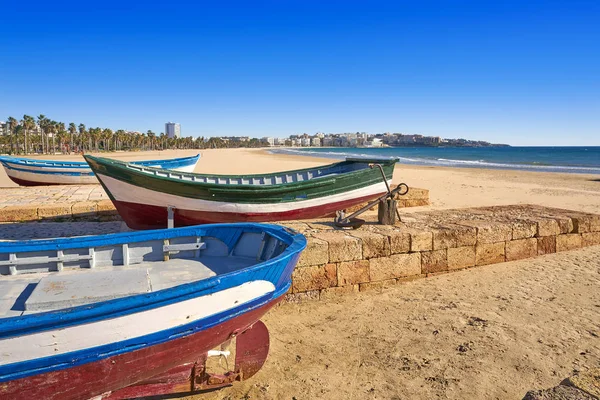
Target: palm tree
<point x="42" y="122"/>
<point x="72" y="131"/>
<point x="151" y="136"/>
<point x="60" y="133"/>
<point x="12" y="126"/>
<point x="28" y="123"/>
<point x="107" y="134"/>
<point x="83" y="134"/>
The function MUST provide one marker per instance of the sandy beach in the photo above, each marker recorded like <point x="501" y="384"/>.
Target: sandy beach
<point x="492" y="332"/>
<point x="449" y="187"/>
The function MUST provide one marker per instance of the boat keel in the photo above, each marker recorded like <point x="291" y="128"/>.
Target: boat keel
<point x="251" y="350"/>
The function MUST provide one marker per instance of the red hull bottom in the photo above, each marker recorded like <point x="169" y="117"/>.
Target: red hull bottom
<point x="23" y="182"/>
<point x="142" y="216"/>
<point x="113" y="373"/>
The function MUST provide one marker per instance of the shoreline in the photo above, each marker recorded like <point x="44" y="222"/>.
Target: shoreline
<point x="416" y="160"/>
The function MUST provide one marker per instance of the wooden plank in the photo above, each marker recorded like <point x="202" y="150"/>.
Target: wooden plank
<point x="166" y="255"/>
<point x="12" y="258"/>
<point x="197" y="253"/>
<point x="43" y="260"/>
<point x="182" y="247"/>
<point x="92" y="256"/>
<point x="125" y="254"/>
<point x="59" y="262"/>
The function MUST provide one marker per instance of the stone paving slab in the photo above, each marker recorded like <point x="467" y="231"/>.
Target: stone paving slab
<point x="91" y="201"/>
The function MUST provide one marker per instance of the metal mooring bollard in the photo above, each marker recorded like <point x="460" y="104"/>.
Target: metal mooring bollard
<point x="386" y="212"/>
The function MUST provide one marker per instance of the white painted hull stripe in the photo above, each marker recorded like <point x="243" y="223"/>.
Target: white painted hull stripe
<point x="51" y="178"/>
<point x="94" y="334"/>
<point x="123" y="191"/>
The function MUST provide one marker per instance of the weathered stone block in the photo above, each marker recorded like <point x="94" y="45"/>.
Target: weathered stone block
<point x="415" y="202"/>
<point x="420" y="240"/>
<point x="341" y="246"/>
<point x="18" y="213"/>
<point x="377" y="285"/>
<point x="434" y="261"/>
<point x="373" y="244"/>
<point x="335" y="292"/>
<point x="595" y="223"/>
<point x="84" y="209"/>
<point x="54" y="210"/>
<point x="446" y="236"/>
<point x="489" y="253"/>
<point x="314" y="278"/>
<point x="489" y="231"/>
<point x="316" y="253"/>
<point x="546" y="245"/>
<point x="568" y="242"/>
<point x="398" y="239"/>
<point x="352" y="272"/>
<point x="394" y="266"/>
<point x="547" y="227"/>
<point x="519" y="249"/>
<point x="590" y="239"/>
<point x="461" y="257"/>
<point x="581" y="223"/>
<point x="400" y="242"/>
<point x="565" y="224"/>
<point x="302" y="297"/>
<point x="523" y="230"/>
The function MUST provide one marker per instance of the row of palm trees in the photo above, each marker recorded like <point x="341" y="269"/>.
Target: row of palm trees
<point x="42" y="135"/>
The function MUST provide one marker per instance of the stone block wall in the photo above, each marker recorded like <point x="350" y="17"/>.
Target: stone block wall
<point x="429" y="243"/>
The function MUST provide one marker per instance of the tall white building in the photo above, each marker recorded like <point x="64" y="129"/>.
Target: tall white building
<point x="172" y="129"/>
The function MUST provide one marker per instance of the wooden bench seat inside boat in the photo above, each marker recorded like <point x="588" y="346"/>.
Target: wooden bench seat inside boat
<point x="31" y="293"/>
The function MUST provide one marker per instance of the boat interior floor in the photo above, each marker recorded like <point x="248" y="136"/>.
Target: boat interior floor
<point x="45" y="291"/>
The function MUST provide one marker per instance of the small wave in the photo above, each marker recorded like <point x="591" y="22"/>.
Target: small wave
<point x="445" y="162"/>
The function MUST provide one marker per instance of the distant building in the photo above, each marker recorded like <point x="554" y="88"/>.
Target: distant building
<point x="305" y="141"/>
<point x="315" y="142"/>
<point x="269" y="140"/>
<point x="3" y="128"/>
<point x="172" y="130"/>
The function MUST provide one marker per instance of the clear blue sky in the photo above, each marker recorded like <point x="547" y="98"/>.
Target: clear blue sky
<point x="519" y="72"/>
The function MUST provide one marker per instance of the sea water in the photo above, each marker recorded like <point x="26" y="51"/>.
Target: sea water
<point x="552" y="159"/>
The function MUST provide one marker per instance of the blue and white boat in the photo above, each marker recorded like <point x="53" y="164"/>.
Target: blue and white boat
<point x="33" y="172"/>
<point x="138" y="313"/>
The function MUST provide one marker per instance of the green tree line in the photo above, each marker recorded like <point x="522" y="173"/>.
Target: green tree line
<point x="42" y="135"/>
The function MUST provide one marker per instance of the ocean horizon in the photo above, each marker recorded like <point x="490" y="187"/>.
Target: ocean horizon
<point x="576" y="159"/>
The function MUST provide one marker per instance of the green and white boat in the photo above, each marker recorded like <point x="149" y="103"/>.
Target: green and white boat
<point x="143" y="195"/>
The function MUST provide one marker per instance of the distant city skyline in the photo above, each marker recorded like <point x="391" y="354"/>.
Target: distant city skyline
<point x="522" y="73"/>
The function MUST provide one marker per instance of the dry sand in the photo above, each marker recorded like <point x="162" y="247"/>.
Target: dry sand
<point x="492" y="332"/>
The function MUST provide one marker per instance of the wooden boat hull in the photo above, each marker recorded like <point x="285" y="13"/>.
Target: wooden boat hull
<point x="120" y="371"/>
<point x="32" y="172"/>
<point x="61" y="340"/>
<point x="142" y="196"/>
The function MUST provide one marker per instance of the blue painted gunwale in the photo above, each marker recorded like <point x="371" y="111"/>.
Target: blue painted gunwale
<point x="277" y="270"/>
<point x="170" y="163"/>
<point x="228" y="233"/>
<point x="43" y="172"/>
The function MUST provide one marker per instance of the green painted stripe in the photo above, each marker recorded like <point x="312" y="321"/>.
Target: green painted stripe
<point x="246" y="193"/>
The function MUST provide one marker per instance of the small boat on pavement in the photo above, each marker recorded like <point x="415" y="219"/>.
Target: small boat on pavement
<point x="33" y="172"/>
<point x="143" y="195"/>
<point x="136" y="314"/>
